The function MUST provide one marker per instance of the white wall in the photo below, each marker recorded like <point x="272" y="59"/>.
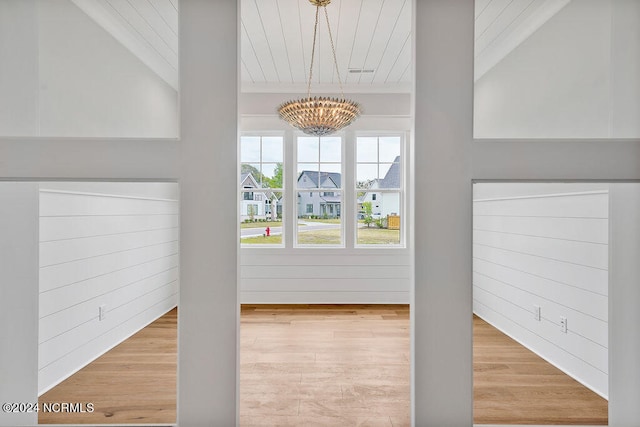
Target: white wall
<point x="18" y="298"/>
<point x="63" y="75"/>
<point x="546" y="246"/>
<point x="331" y="276"/>
<point x="625" y="60"/>
<point x="556" y="83"/>
<point x="18" y="68"/>
<point x="102" y="247"/>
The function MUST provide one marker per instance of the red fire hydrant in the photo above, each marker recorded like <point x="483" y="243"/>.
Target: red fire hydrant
<point x="268" y="230"/>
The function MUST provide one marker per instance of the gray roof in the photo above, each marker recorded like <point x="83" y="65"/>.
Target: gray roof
<point x="392" y="178"/>
<point x="331" y="199"/>
<point x="314" y="175"/>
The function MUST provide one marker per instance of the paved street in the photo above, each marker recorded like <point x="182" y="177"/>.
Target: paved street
<point x="306" y="226"/>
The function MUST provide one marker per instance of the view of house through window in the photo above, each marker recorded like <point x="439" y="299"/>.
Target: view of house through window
<point x="261" y="195"/>
<point x="378" y="190"/>
<point x="319" y="190"/>
<point x="376" y="203"/>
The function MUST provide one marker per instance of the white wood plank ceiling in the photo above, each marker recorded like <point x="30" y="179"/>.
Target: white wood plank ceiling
<point x="372" y="40"/>
<point x="148" y="28"/>
<point x="502" y="25"/>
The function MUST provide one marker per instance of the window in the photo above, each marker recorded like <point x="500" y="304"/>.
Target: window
<point x="379" y="168"/>
<point x="261" y="172"/>
<point x="376" y="201"/>
<point x="319" y="167"/>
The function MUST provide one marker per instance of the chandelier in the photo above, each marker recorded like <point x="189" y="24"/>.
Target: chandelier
<point x="320" y="115"/>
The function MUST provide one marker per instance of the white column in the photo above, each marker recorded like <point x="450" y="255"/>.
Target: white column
<point x="290" y="209"/>
<point x="443" y="138"/>
<point x="19" y="299"/>
<point x="208" y="311"/>
<point x="624" y="298"/>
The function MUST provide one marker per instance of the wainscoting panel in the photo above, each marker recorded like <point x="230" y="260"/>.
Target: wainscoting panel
<point x="108" y="267"/>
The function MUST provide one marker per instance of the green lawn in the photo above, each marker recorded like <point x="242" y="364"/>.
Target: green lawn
<point x="260" y="240"/>
<point x="319" y="237"/>
<point x="324" y="221"/>
<point x="366" y="236"/>
<point x="378" y="236"/>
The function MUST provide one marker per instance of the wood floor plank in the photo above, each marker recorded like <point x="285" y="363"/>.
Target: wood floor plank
<point x="135" y="382"/>
<point x="512" y="385"/>
<point x="324" y="365"/>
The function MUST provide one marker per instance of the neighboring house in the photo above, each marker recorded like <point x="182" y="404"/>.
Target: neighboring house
<point x="383" y="203"/>
<point x="259" y="204"/>
<point x="319" y="200"/>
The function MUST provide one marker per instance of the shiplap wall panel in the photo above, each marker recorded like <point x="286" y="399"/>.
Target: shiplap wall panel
<point x="561" y="206"/>
<point x="334" y="272"/>
<point x="578" y="229"/>
<point x="119" y="251"/>
<point x="57" y="372"/>
<point x="329" y="285"/>
<point x="323" y="297"/>
<point x="591" y="353"/>
<point x="548" y="250"/>
<point x="325" y="276"/>
<point x="588" y="375"/>
<point x="69" y="250"/>
<point x="592" y="255"/>
<point x="584" y="324"/>
<point x="370" y="257"/>
<point x="57" y="203"/>
<point x="66" y="274"/>
<point x="86" y="333"/>
<point x="592" y="279"/>
<point x="78" y="314"/>
<point x="58" y="228"/>
<point x="567" y="296"/>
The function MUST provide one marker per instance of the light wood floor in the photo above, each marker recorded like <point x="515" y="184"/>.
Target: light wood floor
<point x="324" y="365"/>
<point x="135" y="382"/>
<point x="512" y="385"/>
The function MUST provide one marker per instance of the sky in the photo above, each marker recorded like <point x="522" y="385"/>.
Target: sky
<point x="323" y="154"/>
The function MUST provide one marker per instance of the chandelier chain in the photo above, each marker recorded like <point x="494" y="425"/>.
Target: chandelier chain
<point x="333" y="50"/>
<point x="313" y="51"/>
<point x="320" y="115"/>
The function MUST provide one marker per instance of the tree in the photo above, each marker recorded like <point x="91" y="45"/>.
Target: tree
<point x="247" y="168"/>
<point x="368" y="211"/>
<point x="251" y="212"/>
<point x="276" y="181"/>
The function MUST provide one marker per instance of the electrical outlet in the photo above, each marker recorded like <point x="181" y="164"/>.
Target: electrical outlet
<point x="536" y="313"/>
<point x="102" y="312"/>
<point x="563" y="324"/>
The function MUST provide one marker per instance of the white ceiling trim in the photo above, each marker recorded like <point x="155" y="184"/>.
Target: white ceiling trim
<point x="165" y="68"/>
<point x="515" y="33"/>
<point x="327" y="89"/>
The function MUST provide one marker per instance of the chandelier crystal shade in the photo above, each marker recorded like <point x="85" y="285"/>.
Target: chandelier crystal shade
<point x="320" y="115"/>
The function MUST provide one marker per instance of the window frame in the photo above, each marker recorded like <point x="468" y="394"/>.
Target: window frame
<point x="298" y="190"/>
<point x="402" y="190"/>
<point x="282" y="190"/>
